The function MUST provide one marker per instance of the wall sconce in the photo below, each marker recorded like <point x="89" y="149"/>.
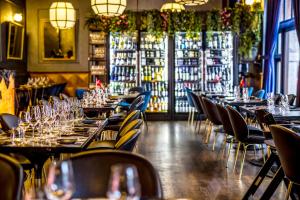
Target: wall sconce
<point x="18" y="17"/>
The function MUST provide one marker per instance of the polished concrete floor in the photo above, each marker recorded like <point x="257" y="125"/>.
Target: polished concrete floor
<point x="189" y="168"/>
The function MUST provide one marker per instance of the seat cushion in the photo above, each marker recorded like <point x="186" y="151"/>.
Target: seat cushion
<point x="124" y="104"/>
<point x="106" y="144"/>
<point x="255" y="131"/>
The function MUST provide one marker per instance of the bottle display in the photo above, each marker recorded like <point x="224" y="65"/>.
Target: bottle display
<point x="123" y="62"/>
<point x="219" y="62"/>
<point x="188" y="67"/>
<point x="154" y="70"/>
<point x="97" y="57"/>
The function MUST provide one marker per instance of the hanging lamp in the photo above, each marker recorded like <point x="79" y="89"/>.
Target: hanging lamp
<point x="173" y="7"/>
<point x="191" y="2"/>
<point x="108" y="8"/>
<point x="62" y="15"/>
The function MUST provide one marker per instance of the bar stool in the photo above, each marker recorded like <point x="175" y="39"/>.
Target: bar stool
<point x="244" y="135"/>
<point x="288" y="147"/>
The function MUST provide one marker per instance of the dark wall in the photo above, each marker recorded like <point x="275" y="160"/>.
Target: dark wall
<point x="7" y="10"/>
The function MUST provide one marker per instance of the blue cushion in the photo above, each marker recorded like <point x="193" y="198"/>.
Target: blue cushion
<point x="124" y="104"/>
<point x="79" y="93"/>
<point x="189" y="97"/>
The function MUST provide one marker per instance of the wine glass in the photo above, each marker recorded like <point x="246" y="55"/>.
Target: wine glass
<point x="60" y="181"/>
<point x="124" y="183"/>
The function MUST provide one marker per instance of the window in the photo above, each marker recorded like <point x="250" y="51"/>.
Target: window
<point x="291" y="63"/>
<point x="287" y="54"/>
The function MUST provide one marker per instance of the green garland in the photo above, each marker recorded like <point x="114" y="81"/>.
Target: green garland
<point x="241" y="20"/>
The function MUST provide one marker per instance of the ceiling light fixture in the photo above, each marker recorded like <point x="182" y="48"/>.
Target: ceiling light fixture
<point x="173" y="7"/>
<point x="191" y="2"/>
<point x="62" y="15"/>
<point x="109" y="8"/>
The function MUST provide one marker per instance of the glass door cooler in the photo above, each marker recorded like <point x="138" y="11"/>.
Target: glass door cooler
<point x="123" y="62"/>
<point x="188" y="67"/>
<point x="154" y="71"/>
<point x="219" y="62"/>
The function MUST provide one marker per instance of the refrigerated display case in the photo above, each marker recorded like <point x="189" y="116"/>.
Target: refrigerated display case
<point x="219" y="62"/>
<point x="123" y="62"/>
<point x="97" y="57"/>
<point x="154" y="70"/>
<point x="188" y="67"/>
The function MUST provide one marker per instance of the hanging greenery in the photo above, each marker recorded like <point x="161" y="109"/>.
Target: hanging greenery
<point x="241" y="20"/>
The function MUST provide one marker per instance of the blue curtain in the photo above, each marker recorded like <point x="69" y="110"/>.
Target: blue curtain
<point x="296" y="6"/>
<point x="272" y="26"/>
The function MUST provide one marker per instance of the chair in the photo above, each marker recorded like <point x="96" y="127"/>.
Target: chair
<point x="291" y="99"/>
<point x="8" y="121"/>
<point x="229" y="134"/>
<point x="244" y="135"/>
<point x="259" y="94"/>
<point x="287" y="144"/>
<point x="79" y="93"/>
<point x="213" y="116"/>
<point x="196" y="102"/>
<point x="11" y="178"/>
<point x="136" y="89"/>
<point x="250" y="91"/>
<point x="191" y="105"/>
<point x="143" y="108"/>
<point x="110" y="142"/>
<point x="127" y="106"/>
<point x="207" y="122"/>
<point x="126" y="142"/>
<point x="92" y="183"/>
<point x="115" y="129"/>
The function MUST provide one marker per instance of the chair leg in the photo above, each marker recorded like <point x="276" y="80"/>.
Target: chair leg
<point x="145" y="119"/>
<point x="243" y="160"/>
<point x="210" y="127"/>
<point x="236" y="155"/>
<point x="263" y="152"/>
<point x="229" y="150"/>
<point x="223" y="147"/>
<point x="189" y="118"/>
<point x="254" y="148"/>
<point x="192" y="118"/>
<point x="215" y="140"/>
<point x="287" y="196"/>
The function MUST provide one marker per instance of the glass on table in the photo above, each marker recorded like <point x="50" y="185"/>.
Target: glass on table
<point x="124" y="183"/>
<point x="60" y="181"/>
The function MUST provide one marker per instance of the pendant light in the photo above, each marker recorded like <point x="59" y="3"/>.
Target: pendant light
<point x="62" y="15"/>
<point x="109" y="8"/>
<point x="173" y="7"/>
<point x="191" y="2"/>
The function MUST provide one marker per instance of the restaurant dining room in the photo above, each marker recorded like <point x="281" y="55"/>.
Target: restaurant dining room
<point x="149" y="99"/>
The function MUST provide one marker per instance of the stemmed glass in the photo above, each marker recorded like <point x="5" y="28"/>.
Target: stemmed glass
<point x="124" y="183"/>
<point x="60" y="181"/>
<point x="270" y="101"/>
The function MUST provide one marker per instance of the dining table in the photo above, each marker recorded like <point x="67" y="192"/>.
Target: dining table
<point x="107" y="107"/>
<point x="38" y="148"/>
<point x="232" y="101"/>
<point x="278" y="113"/>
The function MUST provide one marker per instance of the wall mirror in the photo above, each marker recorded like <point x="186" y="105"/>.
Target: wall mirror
<point x="57" y="44"/>
<point x="15" y="41"/>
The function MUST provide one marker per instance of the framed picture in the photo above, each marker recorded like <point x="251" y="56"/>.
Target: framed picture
<point x="15" y="41"/>
<point x="57" y="44"/>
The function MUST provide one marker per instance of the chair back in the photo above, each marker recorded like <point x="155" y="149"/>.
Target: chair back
<point x="147" y="97"/>
<point x="250" y="91"/>
<point x="60" y="88"/>
<point x="136" y="89"/>
<point x="189" y="96"/>
<point x="8" y="121"/>
<point x="137" y="103"/>
<point x="92" y="183"/>
<point x="135" y="124"/>
<point x="224" y="117"/>
<point x="260" y="117"/>
<point x="212" y="111"/>
<point x="259" y="94"/>
<point x="287" y="144"/>
<point x="11" y="178"/>
<point x="291" y="99"/>
<point x="127" y="142"/>
<point x="129" y="118"/>
<point x="196" y="102"/>
<point x="203" y="105"/>
<point x="238" y="123"/>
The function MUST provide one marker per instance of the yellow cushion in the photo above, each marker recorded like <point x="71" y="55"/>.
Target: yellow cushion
<point x="129" y="127"/>
<point x="126" y="137"/>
